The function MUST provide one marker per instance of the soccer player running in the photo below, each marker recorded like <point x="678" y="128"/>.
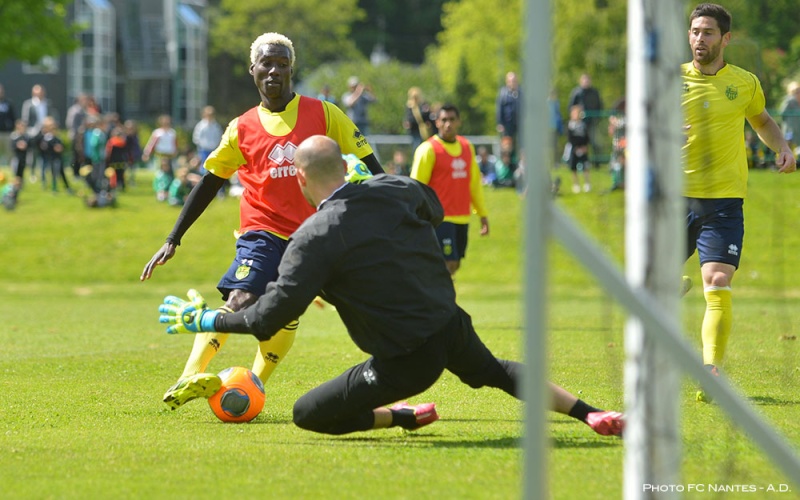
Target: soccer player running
<point x="446" y="162"/>
<point x="717" y="98"/>
<point x="368" y="242"/>
<point x="260" y="146"/>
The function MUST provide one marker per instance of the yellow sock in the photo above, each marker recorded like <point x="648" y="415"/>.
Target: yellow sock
<point x="205" y="347"/>
<point x="272" y="351"/>
<point x="716" y="324"/>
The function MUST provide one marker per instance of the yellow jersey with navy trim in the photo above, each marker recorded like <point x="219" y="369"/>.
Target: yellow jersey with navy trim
<point x="227" y="158"/>
<point x="715" y="108"/>
<point x="425" y="160"/>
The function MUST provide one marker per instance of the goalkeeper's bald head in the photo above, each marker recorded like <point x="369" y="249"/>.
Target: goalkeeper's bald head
<point x="320" y="167"/>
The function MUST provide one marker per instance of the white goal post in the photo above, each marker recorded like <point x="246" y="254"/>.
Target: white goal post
<point x="656" y="31"/>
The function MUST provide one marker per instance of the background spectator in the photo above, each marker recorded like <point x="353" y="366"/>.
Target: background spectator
<point x="556" y="125"/>
<point x="486" y="164"/>
<point x="578" y="138"/>
<point x="508" y="108"/>
<point x="7" y="114"/>
<point x="790" y="115"/>
<point x="52" y="151"/>
<point x="76" y="116"/>
<point x="134" y="149"/>
<point x="325" y="94"/>
<point x="34" y="111"/>
<point x="206" y="135"/>
<point x="19" y="142"/>
<point x="589" y="99"/>
<point x="163" y="143"/>
<point x="616" y="129"/>
<point x="417" y="120"/>
<point x="356" y="101"/>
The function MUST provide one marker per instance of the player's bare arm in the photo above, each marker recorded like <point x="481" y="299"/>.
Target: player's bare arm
<point x="771" y="135"/>
<point x="199" y="199"/>
<point x="159" y="259"/>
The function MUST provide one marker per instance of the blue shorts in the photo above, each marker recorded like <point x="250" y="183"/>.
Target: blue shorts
<point x="258" y="254"/>
<point x="453" y="240"/>
<point x="715" y="228"/>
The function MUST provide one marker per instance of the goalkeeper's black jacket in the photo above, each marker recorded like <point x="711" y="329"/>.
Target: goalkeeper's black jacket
<point x="371" y="251"/>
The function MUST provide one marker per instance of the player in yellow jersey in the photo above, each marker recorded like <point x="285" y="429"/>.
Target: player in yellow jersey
<point x="259" y="146"/>
<point x="717" y="99"/>
<point x="446" y="162"/>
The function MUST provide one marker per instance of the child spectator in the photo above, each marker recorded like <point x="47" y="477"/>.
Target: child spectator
<point x="52" y="152"/>
<point x="134" y="150"/>
<point x="94" y="142"/>
<point x="504" y="169"/>
<point x="578" y="138"/>
<point x="9" y="191"/>
<point x="183" y="183"/>
<point x="486" y="163"/>
<point x="163" y="143"/>
<point x="19" y="145"/>
<point x="163" y="179"/>
<point x="117" y="155"/>
<point x="400" y="165"/>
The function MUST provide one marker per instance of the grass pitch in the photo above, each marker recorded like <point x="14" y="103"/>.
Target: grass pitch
<point x="84" y="364"/>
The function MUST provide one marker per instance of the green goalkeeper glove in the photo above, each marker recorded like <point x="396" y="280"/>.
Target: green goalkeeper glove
<point x="192" y="316"/>
<point x="357" y="171"/>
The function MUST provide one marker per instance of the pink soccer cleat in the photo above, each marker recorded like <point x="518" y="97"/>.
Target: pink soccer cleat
<point x="606" y="423"/>
<point x="425" y="412"/>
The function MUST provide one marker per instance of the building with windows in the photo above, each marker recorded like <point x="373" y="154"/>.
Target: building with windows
<point x="139" y="58"/>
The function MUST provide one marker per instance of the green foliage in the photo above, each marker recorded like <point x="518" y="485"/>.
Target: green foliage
<point x="36" y="28"/>
<point x="404" y="29"/>
<point x="390" y="83"/>
<point x="85" y="363"/>
<point x="473" y="116"/>
<point x="479" y="32"/>
<point x="592" y="37"/>
<point x="320" y="32"/>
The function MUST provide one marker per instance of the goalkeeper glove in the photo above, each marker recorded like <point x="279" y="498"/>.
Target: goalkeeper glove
<point x="192" y="316"/>
<point x="357" y="171"/>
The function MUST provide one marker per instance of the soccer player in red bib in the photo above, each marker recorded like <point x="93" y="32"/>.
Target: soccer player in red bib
<point x="259" y="146"/>
<point x="446" y="162"/>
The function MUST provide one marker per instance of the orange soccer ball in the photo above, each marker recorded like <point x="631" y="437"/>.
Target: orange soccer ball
<point x="241" y="397"/>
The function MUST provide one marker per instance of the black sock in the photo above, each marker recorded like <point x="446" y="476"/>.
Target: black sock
<point x="404" y="418"/>
<point x="581" y="409"/>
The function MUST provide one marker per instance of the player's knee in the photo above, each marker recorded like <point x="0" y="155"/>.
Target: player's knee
<point x="452" y="266"/>
<point x="304" y="416"/>
<point x="240" y="299"/>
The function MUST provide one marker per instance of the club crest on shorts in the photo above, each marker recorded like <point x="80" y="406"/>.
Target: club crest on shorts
<point x="242" y="272"/>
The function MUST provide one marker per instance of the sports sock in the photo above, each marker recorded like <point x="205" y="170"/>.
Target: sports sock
<point x="205" y="347"/>
<point x="404" y="418"/>
<point x="272" y="351"/>
<point x="717" y="324"/>
<point x="580" y="410"/>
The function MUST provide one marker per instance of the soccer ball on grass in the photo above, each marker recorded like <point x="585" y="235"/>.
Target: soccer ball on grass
<point x="241" y="397"/>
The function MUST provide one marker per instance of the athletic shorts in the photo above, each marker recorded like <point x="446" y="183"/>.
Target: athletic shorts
<point x="715" y="228"/>
<point x="258" y="254"/>
<point x="453" y="240"/>
<point x="345" y="403"/>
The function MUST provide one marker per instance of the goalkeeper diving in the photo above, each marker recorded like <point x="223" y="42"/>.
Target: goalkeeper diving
<point x="367" y="242"/>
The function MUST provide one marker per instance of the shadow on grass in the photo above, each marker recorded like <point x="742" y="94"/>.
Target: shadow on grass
<point x="770" y="401"/>
<point x="427" y="440"/>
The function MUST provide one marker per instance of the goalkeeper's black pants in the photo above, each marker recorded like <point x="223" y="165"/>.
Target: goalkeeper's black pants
<point x="345" y="403"/>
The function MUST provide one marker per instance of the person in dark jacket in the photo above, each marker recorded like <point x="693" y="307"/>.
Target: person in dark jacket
<point x="364" y="241"/>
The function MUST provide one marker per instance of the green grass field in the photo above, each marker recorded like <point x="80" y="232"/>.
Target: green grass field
<point x="84" y="364"/>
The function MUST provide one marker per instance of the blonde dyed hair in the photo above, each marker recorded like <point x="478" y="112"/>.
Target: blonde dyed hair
<point x="270" y="39"/>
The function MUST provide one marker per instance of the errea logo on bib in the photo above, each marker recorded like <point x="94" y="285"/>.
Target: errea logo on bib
<point x="283" y="153"/>
<point x="459" y="167"/>
<point x="283" y="156"/>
